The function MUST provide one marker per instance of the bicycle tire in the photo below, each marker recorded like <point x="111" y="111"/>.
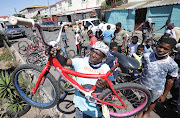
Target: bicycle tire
<point x="71" y="53"/>
<point x="23" y="47"/>
<point x="22" y="78"/>
<point x="32" y="57"/>
<point x="125" y="89"/>
<point x="64" y="85"/>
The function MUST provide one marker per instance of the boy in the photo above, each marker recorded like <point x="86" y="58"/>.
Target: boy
<point x="133" y="45"/>
<point x="157" y="66"/>
<point x="108" y="35"/>
<point x="138" y="56"/>
<point x="148" y="46"/>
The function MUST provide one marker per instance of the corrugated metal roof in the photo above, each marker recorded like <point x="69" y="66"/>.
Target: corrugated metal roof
<point x="146" y="4"/>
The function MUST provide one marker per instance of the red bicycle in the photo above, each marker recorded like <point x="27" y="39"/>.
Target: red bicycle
<point x="38" y="87"/>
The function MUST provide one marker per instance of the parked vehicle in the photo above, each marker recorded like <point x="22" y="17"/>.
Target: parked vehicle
<point x="49" y="26"/>
<point x="12" y="31"/>
<point x="93" y="23"/>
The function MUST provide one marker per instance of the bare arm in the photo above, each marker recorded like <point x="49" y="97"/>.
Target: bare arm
<point x="138" y="27"/>
<point x="168" y="86"/>
<point x="159" y="28"/>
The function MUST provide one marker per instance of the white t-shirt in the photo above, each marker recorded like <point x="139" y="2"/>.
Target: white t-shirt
<point x="101" y="26"/>
<point x="133" y="48"/>
<point x="82" y="65"/>
<point x="178" y="49"/>
<point x="77" y="37"/>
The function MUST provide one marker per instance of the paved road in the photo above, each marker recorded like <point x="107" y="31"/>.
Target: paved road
<point x="66" y="108"/>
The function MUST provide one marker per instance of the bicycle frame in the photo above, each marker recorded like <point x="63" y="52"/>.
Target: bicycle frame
<point x="88" y="93"/>
<point x="64" y="71"/>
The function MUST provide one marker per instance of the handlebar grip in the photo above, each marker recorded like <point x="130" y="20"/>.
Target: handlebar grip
<point x="21" y="21"/>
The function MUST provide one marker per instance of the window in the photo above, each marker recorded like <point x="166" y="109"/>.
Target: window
<point x="60" y="5"/>
<point x="70" y="2"/>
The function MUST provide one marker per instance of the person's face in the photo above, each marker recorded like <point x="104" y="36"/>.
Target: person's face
<point x="140" y="50"/>
<point x="117" y="27"/>
<point x="167" y="22"/>
<point x="149" y="42"/>
<point x="163" y="48"/>
<point x="96" y="56"/>
<point x="115" y="48"/>
<point x="134" y="41"/>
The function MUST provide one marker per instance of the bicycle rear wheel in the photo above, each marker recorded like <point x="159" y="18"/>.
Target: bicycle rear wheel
<point x="135" y="97"/>
<point x="25" y="77"/>
<point x="23" y="47"/>
<point x="71" y="53"/>
<point x="64" y="85"/>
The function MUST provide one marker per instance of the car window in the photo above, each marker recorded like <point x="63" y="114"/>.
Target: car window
<point x="51" y="22"/>
<point x="88" y="23"/>
<point x="44" y="23"/>
<point x="12" y="26"/>
<point x="95" y="22"/>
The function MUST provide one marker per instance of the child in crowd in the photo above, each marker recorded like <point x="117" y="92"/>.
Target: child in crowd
<point x="138" y="56"/>
<point x="133" y="45"/>
<point x="111" y="60"/>
<point x="108" y="35"/>
<point x="64" y="37"/>
<point x="148" y="46"/>
<point x="92" y="38"/>
<point x="77" y="41"/>
<point x="159" y="73"/>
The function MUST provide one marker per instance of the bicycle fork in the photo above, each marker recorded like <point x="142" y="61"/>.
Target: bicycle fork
<point x="41" y="78"/>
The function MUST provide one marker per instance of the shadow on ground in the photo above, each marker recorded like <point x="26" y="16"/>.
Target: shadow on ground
<point x="167" y="109"/>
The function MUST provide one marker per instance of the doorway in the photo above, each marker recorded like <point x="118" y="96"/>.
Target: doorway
<point x="69" y="18"/>
<point x="140" y="17"/>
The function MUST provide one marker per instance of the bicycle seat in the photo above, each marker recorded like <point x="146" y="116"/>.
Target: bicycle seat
<point x="125" y="61"/>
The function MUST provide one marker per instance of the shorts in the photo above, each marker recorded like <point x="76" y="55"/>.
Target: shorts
<point x="154" y="95"/>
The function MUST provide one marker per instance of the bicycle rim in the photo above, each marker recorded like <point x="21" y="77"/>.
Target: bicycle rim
<point x="71" y="53"/>
<point x="131" y="95"/>
<point x="64" y="85"/>
<point x="24" y="81"/>
<point x="23" y="47"/>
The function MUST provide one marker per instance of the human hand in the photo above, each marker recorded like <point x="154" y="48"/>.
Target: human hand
<point x="101" y="83"/>
<point x="122" y="48"/>
<point x="54" y="52"/>
<point x="161" y="98"/>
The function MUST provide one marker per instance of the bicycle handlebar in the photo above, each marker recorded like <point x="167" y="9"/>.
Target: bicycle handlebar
<point x="21" y="21"/>
<point x="30" y="22"/>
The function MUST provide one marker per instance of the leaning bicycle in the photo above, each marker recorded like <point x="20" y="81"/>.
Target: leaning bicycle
<point x="38" y="87"/>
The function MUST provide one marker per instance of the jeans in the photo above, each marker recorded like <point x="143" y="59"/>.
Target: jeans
<point x="145" y="36"/>
<point x="80" y="114"/>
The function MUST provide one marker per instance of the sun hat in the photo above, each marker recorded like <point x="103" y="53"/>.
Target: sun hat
<point x="149" y="20"/>
<point x="99" y="45"/>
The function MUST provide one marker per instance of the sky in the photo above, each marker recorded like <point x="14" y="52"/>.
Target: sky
<point x="7" y="7"/>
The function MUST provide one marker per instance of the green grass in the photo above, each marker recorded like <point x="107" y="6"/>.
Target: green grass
<point x="6" y="55"/>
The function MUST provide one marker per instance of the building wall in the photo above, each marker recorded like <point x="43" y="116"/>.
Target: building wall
<point x="175" y="18"/>
<point x="126" y="17"/>
<point x="159" y="16"/>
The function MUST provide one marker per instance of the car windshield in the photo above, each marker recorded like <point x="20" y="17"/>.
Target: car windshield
<point x="95" y="22"/>
<point x="12" y="26"/>
<point x="51" y="23"/>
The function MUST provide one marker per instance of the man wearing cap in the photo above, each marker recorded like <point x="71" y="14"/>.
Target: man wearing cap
<point x="173" y="31"/>
<point x="89" y="65"/>
<point x="146" y="29"/>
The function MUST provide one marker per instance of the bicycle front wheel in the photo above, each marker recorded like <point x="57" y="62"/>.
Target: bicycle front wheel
<point x="24" y="79"/>
<point x="134" y="96"/>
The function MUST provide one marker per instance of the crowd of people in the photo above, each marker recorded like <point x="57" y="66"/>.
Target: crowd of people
<point x="158" y="71"/>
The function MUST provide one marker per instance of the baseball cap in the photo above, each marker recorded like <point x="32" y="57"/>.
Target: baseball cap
<point x="170" y="25"/>
<point x="149" y="20"/>
<point x="99" y="45"/>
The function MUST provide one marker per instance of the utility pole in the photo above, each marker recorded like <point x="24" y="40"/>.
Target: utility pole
<point x="49" y="10"/>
